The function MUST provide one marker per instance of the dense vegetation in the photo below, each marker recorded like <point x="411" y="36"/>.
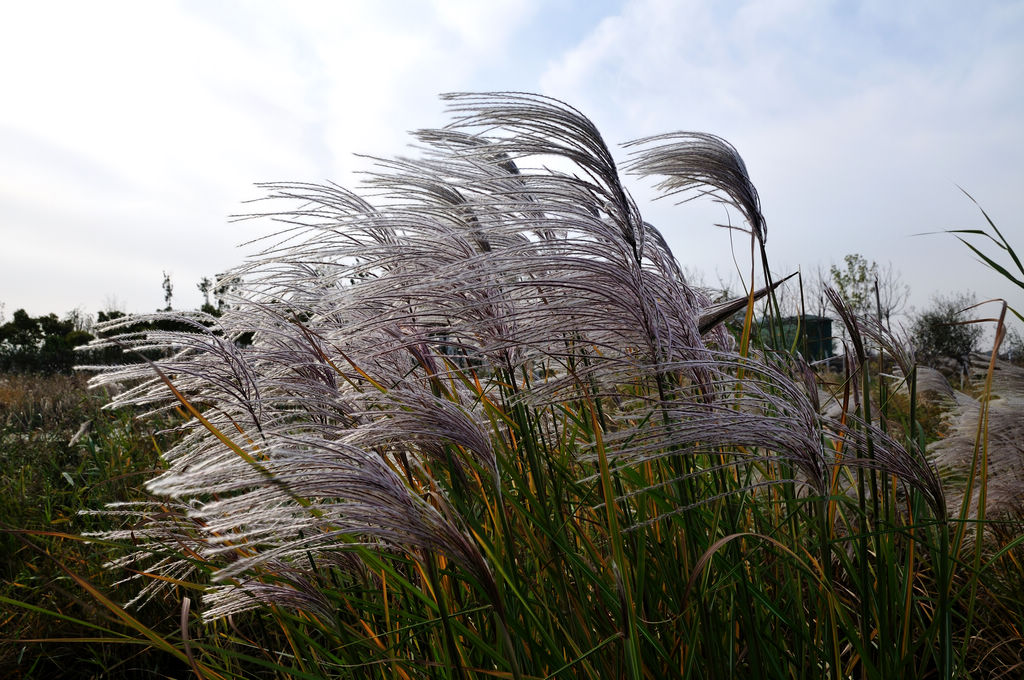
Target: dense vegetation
<point x="44" y="344"/>
<point x="487" y="430"/>
<point x="60" y="453"/>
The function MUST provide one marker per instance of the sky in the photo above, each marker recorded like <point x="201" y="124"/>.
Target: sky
<point x="130" y="132"/>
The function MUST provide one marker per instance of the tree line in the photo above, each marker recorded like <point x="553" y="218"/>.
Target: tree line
<point x="52" y="344"/>
<point x="943" y="334"/>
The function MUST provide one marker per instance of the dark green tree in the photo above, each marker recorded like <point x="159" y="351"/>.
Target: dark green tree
<point x="223" y="286"/>
<point x="943" y="330"/>
<point x="207" y="286"/>
<point x="44" y="344"/>
<point x="168" y="291"/>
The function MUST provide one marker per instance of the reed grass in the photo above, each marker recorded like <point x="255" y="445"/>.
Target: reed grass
<point x="480" y="431"/>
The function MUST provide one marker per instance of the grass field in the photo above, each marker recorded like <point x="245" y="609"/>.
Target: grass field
<point x="44" y="482"/>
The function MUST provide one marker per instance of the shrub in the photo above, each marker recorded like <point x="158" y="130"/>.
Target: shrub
<point x="942" y="331"/>
<point x="42" y="344"/>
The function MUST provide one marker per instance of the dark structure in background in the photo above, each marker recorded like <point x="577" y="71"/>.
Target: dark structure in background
<point x="810" y="335"/>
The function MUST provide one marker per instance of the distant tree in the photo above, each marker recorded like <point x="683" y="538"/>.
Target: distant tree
<point x="223" y="286"/>
<point x="205" y="287"/>
<point x="805" y="293"/>
<point x="111" y="303"/>
<point x="21" y="333"/>
<point x="109" y="315"/>
<point x="80" y="319"/>
<point x="49" y="343"/>
<point x="697" y="278"/>
<point x="1012" y="349"/>
<point x="814" y="284"/>
<point x="940" y="331"/>
<point x="854" y="282"/>
<point x="41" y="344"/>
<point x="870" y="290"/>
<point x="892" y="293"/>
<point x="168" y="291"/>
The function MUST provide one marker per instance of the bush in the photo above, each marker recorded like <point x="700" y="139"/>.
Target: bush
<point x="44" y="344"/>
<point x="943" y="330"/>
<point x="1012" y="349"/>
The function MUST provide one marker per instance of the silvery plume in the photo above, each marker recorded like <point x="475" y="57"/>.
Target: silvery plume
<point x="353" y="380"/>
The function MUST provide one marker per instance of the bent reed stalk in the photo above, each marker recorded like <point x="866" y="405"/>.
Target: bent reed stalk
<point x="478" y="428"/>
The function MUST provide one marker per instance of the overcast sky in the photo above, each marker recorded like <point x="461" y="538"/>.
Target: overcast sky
<point x="129" y="132"/>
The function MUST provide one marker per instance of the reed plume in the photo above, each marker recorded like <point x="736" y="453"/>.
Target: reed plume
<point x="470" y="325"/>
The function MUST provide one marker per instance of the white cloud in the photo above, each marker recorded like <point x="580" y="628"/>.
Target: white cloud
<point x="856" y="120"/>
<point x="484" y="27"/>
<point x="125" y="141"/>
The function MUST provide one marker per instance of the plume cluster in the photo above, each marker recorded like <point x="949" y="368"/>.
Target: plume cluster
<point x="387" y="350"/>
<point x="1002" y="443"/>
